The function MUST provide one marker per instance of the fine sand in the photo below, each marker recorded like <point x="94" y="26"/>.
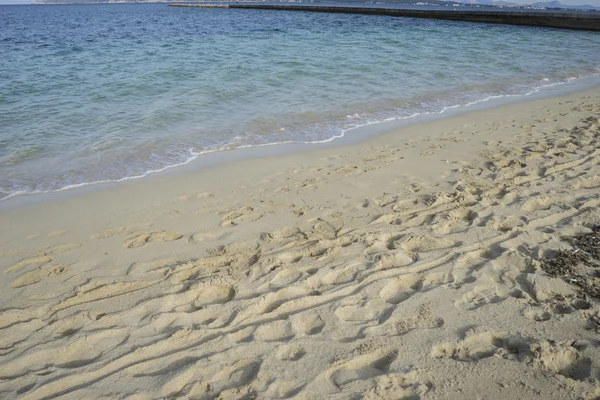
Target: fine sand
<point x="408" y="266"/>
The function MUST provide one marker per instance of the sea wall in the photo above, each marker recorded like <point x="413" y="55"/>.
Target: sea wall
<point x="565" y="20"/>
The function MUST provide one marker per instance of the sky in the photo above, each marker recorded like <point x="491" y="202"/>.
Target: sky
<point x="595" y="3"/>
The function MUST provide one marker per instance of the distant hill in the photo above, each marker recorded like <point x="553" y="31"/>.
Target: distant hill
<point x="488" y="3"/>
<point x="492" y="3"/>
<point x="558" y="4"/>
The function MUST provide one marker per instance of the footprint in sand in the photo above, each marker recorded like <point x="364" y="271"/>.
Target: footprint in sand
<point x="277" y="331"/>
<point x="28" y="262"/>
<point x="44" y="272"/>
<point x="95" y="291"/>
<point x="563" y="358"/>
<point x="308" y="323"/>
<point x="144" y="267"/>
<point x="239" y="215"/>
<point x="404" y="205"/>
<point x="457" y="220"/>
<point x="378" y="243"/>
<point x="348" y="170"/>
<point x="208" y="236"/>
<point x="342" y="274"/>
<point x="396" y="259"/>
<point x="214" y="294"/>
<point x="229" y="378"/>
<point x="538" y="203"/>
<point x="537" y="315"/>
<point x="506" y="224"/>
<point x="79" y="352"/>
<point x="475" y="346"/>
<point x="544" y="288"/>
<point x="290" y="257"/>
<point x="235" y="376"/>
<point x="462" y="214"/>
<point x="290" y="352"/>
<point x="401" y="288"/>
<point x="384" y="200"/>
<point x="398" y="386"/>
<point x="238" y="248"/>
<point x="372" y="310"/>
<point x="587" y="183"/>
<point x="283" y="390"/>
<point x="424" y="243"/>
<point x="509" y="198"/>
<point x="560" y="358"/>
<point x="71" y="325"/>
<point x="416" y="221"/>
<point x="309" y="183"/>
<point x="139" y="239"/>
<point x="283" y="189"/>
<point x="64" y="248"/>
<point x="422" y="319"/>
<point x="592" y="157"/>
<point x="105" y="234"/>
<point x="478" y="297"/>
<point x="283" y="278"/>
<point x="9" y="317"/>
<point x="284" y="234"/>
<point x="195" y="196"/>
<point x="56" y="233"/>
<point x="274" y="300"/>
<point x="359" y="368"/>
<point x="439" y="199"/>
<point x="12" y="337"/>
<point x="325" y="230"/>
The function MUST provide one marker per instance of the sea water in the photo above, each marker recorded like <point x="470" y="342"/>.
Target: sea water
<point x="109" y="92"/>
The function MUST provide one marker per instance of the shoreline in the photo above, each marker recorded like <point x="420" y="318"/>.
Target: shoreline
<point x="349" y="136"/>
<point x="407" y="265"/>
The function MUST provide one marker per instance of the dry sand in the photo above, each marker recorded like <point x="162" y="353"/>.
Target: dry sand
<point x="407" y="266"/>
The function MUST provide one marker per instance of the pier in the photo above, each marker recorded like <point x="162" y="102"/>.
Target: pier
<point x="551" y="19"/>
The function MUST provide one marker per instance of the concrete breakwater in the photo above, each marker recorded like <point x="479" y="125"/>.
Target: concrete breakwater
<point x="565" y="20"/>
<point x="200" y="5"/>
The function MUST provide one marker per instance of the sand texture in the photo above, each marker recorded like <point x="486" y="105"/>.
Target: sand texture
<point x="405" y="267"/>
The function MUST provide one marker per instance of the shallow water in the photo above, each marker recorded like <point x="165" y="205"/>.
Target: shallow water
<point x="93" y="93"/>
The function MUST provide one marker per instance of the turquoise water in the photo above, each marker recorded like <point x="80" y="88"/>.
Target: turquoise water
<point x="92" y="93"/>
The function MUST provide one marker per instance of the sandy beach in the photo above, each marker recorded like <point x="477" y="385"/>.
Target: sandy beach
<point x="413" y="265"/>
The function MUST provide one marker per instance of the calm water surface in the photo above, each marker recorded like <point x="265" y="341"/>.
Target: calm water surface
<point x="93" y="93"/>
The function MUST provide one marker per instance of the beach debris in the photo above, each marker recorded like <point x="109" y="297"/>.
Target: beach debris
<point x="579" y="265"/>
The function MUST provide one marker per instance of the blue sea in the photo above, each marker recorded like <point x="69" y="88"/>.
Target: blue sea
<point x="109" y="92"/>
